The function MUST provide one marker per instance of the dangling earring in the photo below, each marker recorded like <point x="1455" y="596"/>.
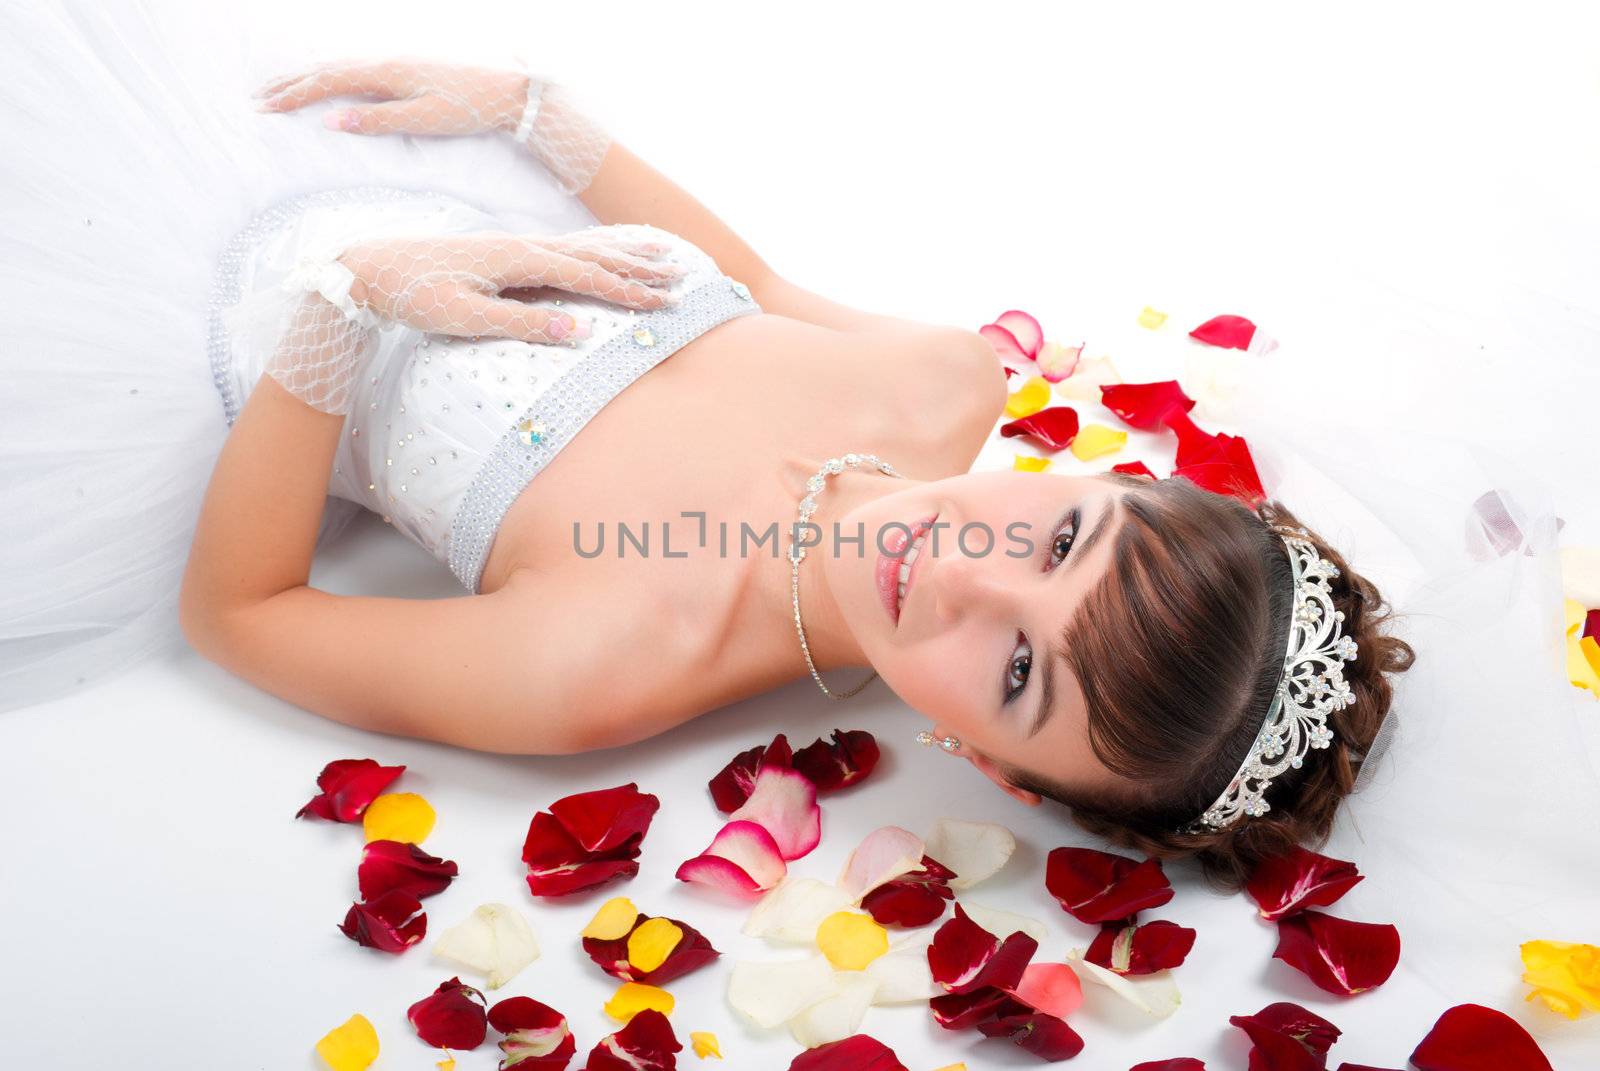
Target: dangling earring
<point x="949" y="743"/>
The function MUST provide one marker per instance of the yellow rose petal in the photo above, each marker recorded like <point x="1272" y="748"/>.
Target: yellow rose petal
<point x="1097" y="440"/>
<point x="1030" y="464"/>
<point x="1152" y="319"/>
<point x="1565" y="975"/>
<point x="447" y="1064"/>
<point x="614" y="919"/>
<point x="851" y="940"/>
<point x="953" y="1067"/>
<point x="1029" y="398"/>
<point x="705" y="1044"/>
<point x="631" y="998"/>
<point x="350" y="1047"/>
<point x="1590" y="648"/>
<point x="651" y="944"/>
<point x="401" y="816"/>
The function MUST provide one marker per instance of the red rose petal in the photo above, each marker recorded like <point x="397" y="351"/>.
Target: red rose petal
<point x="1591" y="625"/>
<point x="692" y="951"/>
<point x="1229" y="332"/>
<point x="1365" y="1067"/>
<point x="1181" y="1063"/>
<point x="1133" y="949"/>
<point x="1053" y="428"/>
<point x="1287" y="1037"/>
<point x="557" y="864"/>
<point x="784" y="803"/>
<point x="1095" y="886"/>
<point x="1044" y="1035"/>
<point x="913" y="899"/>
<point x="646" y="1043"/>
<point x="1297" y="879"/>
<point x="453" y="1017"/>
<point x="603" y="820"/>
<point x="391" y="864"/>
<point x="1025" y="329"/>
<point x="1471" y="1037"/>
<point x="391" y="923"/>
<point x="742" y="858"/>
<point x="858" y="1052"/>
<point x="840" y="762"/>
<point x="537" y="1036"/>
<point x="1145" y="406"/>
<point x="1340" y="956"/>
<point x="957" y="1011"/>
<point x="1135" y="468"/>
<point x="734" y="782"/>
<point x="964" y="956"/>
<point x="1050" y="987"/>
<point x="348" y="785"/>
<point x="1010" y="352"/>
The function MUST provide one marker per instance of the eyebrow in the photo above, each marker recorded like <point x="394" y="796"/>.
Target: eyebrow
<point x="1047" y="693"/>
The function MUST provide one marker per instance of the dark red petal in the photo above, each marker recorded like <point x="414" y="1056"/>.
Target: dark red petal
<point x="1135" y="468"/>
<point x="391" y="923"/>
<point x="1230" y="332"/>
<point x="1233" y="473"/>
<point x="1009" y="372"/>
<point x="913" y="899"/>
<point x="1591" y="625"/>
<point x="734" y="782"/>
<point x="1287" y="1037"/>
<point x="529" y="1026"/>
<point x="1040" y="1033"/>
<point x="557" y="863"/>
<point x="1145" y="406"/>
<point x="1297" y="879"/>
<point x="454" y="1016"/>
<point x="957" y="1011"/>
<point x="348" y="785"/>
<point x="692" y="951"/>
<point x="1471" y="1037"/>
<point x="1053" y="428"/>
<point x="647" y="1043"/>
<point x="964" y="956"/>
<point x="1132" y="949"/>
<point x="858" y="1052"/>
<point x="1340" y="956"/>
<point x="392" y="864"/>
<point x="603" y="820"/>
<point x="1181" y="1063"/>
<point x="1365" y="1067"/>
<point x="1095" y="886"/>
<point x="846" y="758"/>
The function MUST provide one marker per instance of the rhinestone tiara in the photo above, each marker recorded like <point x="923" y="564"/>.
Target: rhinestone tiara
<point x="1312" y="686"/>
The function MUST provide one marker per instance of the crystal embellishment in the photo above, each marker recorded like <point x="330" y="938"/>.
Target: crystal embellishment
<point x="644" y="336"/>
<point x="530" y="432"/>
<point x="739" y="288"/>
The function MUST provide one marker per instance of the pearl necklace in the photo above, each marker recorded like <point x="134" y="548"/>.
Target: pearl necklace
<point x="832" y="467"/>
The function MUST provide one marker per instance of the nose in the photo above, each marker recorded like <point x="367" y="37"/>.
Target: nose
<point x="965" y="584"/>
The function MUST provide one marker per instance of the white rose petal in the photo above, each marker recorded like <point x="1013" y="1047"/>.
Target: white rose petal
<point x="883" y="855"/>
<point x="1580" y="575"/>
<point x="837" y="1017"/>
<point x="974" y="850"/>
<point x="791" y="911"/>
<point x="902" y="972"/>
<point x="495" y="940"/>
<point x="772" y="993"/>
<point x="1003" y="923"/>
<point x="1154" y="994"/>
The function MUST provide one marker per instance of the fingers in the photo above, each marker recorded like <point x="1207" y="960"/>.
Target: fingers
<point x="421" y="115"/>
<point x="617" y="258"/>
<point x="384" y="81"/>
<point x="499" y="318"/>
<point x="520" y="263"/>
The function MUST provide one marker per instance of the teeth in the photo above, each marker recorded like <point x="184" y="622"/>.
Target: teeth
<point x="905" y="569"/>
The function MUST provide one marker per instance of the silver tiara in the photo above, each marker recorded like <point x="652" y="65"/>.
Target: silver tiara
<point x="1312" y="686"/>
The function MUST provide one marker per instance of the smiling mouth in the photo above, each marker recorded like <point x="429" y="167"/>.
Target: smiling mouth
<point x="907" y="561"/>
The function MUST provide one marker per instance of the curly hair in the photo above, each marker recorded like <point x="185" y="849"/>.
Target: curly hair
<point x="1179" y="649"/>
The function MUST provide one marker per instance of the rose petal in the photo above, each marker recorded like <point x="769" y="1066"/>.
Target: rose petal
<point x="964" y="956"/>
<point x="742" y="858"/>
<point x="857" y="1053"/>
<point x="631" y="998"/>
<point x="537" y="1036"/>
<point x="392" y="864"/>
<point x="454" y="1016"/>
<point x="400" y="816"/>
<point x="1053" y="428"/>
<point x="771" y="993"/>
<point x="792" y="911"/>
<point x="1340" y="956"/>
<point x="974" y="850"/>
<point x="958" y="1011"/>
<point x="883" y="855"/>
<point x="1154" y="994"/>
<point x="1471" y="1037"/>
<point x="784" y="802"/>
<point x="615" y="956"/>
<point x="836" y="1017"/>
<point x="997" y="921"/>
<point x="1146" y="406"/>
<point x="350" y="1046"/>
<point x="391" y="923"/>
<point x="733" y="783"/>
<point x="647" y="1043"/>
<point x="1230" y="332"/>
<point x="1007" y="348"/>
<point x="1040" y="1033"/>
<point x="494" y="940"/>
<point x="1032" y="396"/>
<point x="1565" y="975"/>
<point x="1095" y="886"/>
<point x="1030" y="464"/>
<point x="913" y="899"/>
<point x="1299" y="878"/>
<point x="1133" y="949"/>
<point x="851" y="940"/>
<point x="606" y="819"/>
<point x="1287" y="1037"/>
<point x="1050" y="987"/>
<point x="1057" y="362"/>
<point x="1150" y="318"/>
<point x="1024" y="328"/>
<point x="651" y="942"/>
<point x="705" y="1044"/>
<point x="902" y="973"/>
<point x="1097" y="440"/>
<point x="1135" y="468"/>
<point x="1088" y="379"/>
<point x="616" y="918"/>
<point x="1220" y="463"/>
<point x="348" y="786"/>
<point x="1182" y="1063"/>
<point x="840" y="761"/>
<point x="557" y="859"/>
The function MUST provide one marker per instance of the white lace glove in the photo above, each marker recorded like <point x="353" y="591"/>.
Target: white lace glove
<point x="460" y="284"/>
<point x="419" y="97"/>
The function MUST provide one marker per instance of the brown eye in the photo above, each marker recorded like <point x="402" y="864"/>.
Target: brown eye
<point x="1017" y="670"/>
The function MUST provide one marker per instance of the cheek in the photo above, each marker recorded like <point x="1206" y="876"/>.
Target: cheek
<point x="942" y="678"/>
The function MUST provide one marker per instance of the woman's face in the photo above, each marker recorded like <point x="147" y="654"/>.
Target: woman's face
<point x="1004" y="560"/>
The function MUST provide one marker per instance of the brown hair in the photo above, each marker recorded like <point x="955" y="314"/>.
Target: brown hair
<point x="1179" y="649"/>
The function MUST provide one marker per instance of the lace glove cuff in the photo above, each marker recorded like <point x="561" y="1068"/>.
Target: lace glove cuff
<point x="324" y="347"/>
<point x="556" y="129"/>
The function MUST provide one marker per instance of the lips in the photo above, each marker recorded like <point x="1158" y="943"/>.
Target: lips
<point x="886" y="573"/>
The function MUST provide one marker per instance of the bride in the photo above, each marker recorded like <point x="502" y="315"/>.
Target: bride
<point x="1114" y="643"/>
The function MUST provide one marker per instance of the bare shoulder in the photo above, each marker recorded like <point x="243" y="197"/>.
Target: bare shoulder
<point x="952" y="376"/>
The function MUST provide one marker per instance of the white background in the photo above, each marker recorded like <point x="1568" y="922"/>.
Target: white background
<point x="1355" y="170"/>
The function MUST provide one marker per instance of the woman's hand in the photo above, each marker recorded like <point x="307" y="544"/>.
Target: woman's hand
<point x="416" y="97"/>
<point x="453" y="284"/>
